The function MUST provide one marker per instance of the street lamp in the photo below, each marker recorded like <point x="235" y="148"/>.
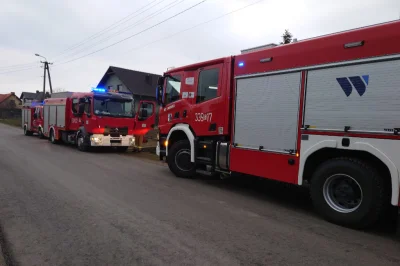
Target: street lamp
<point x="41" y="56"/>
<point x="46" y="67"/>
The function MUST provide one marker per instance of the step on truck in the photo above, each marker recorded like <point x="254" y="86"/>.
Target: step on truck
<point x="323" y="111"/>
<point x="32" y="118"/>
<point x="99" y="118"/>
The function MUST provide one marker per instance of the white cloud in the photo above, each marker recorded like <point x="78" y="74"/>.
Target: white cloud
<point x="49" y="27"/>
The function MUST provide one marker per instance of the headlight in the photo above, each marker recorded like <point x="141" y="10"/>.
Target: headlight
<point x="96" y="139"/>
<point x="131" y="141"/>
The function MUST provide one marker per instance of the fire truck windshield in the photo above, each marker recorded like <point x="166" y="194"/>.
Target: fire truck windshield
<point x="113" y="107"/>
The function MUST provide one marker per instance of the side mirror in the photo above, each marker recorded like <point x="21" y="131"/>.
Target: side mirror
<point x="35" y="116"/>
<point x="159" y="94"/>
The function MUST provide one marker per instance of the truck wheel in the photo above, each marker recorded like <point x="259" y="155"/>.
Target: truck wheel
<point x="80" y="143"/>
<point x="52" y="138"/>
<point x="40" y="132"/>
<point x="347" y="192"/>
<point x="179" y="160"/>
<point x="27" y="132"/>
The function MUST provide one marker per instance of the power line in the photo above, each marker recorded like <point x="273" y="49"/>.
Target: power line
<point x="112" y="26"/>
<point x="18" y="70"/>
<point x="167" y="37"/>
<point x="159" y="11"/>
<point x="131" y="36"/>
<point x="17" y="66"/>
<point x="195" y="26"/>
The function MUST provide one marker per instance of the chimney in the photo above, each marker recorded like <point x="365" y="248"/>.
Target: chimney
<point x="12" y="93"/>
<point x="37" y="92"/>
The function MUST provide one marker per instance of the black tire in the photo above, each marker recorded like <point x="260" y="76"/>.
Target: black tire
<point x="40" y="133"/>
<point x="27" y="132"/>
<point x="179" y="160"/>
<point x="344" y="204"/>
<point x="80" y="143"/>
<point x="52" y="138"/>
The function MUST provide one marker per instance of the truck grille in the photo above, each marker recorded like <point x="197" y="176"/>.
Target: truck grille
<point x="115" y="131"/>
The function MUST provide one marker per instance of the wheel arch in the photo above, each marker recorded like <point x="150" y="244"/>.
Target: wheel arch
<point x="180" y="132"/>
<point x="51" y="128"/>
<point x="82" y="130"/>
<point x="324" y="150"/>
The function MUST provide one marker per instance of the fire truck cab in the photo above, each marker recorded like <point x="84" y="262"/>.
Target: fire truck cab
<point x="32" y="118"/>
<point x="94" y="119"/>
<point x="322" y="111"/>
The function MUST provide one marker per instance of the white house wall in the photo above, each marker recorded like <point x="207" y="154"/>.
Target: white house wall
<point x="114" y="81"/>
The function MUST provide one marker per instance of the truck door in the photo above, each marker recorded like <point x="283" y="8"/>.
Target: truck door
<point x="75" y="119"/>
<point x="35" y="118"/>
<point x="146" y="115"/>
<point x="208" y="112"/>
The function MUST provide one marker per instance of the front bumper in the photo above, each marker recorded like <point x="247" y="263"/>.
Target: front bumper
<point x="99" y="140"/>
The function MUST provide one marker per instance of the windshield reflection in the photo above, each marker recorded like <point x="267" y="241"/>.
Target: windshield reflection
<point x="113" y="107"/>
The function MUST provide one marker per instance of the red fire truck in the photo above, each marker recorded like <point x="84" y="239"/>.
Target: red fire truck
<point x="32" y="118"/>
<point x="322" y="111"/>
<point x="94" y="119"/>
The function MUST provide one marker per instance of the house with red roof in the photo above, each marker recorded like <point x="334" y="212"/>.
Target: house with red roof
<point x="10" y="101"/>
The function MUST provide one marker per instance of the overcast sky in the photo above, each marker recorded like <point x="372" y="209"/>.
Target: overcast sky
<point x="51" y="28"/>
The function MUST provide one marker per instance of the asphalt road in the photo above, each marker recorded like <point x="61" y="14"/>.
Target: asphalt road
<point x="59" y="206"/>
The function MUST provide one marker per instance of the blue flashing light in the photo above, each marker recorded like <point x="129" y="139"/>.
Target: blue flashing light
<point x="99" y="90"/>
<point x="241" y="64"/>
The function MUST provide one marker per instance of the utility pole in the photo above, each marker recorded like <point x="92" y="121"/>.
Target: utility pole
<point x="46" y="68"/>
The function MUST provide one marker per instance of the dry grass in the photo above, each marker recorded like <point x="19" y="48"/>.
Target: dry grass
<point x="16" y="122"/>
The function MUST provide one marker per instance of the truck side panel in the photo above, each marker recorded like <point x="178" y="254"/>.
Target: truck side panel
<point x="23" y="117"/>
<point x="266" y="126"/>
<point x="265" y="164"/>
<point x="266" y="112"/>
<point x="364" y="97"/>
<point x="46" y="120"/>
<point x="52" y="115"/>
<point x="61" y="116"/>
<point x="28" y="118"/>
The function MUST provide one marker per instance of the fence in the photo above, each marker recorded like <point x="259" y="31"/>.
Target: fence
<point x="10" y="113"/>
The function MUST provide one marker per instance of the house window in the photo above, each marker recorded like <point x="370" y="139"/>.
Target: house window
<point x="148" y="79"/>
<point x="119" y="87"/>
<point x="208" y="85"/>
<point x="110" y="88"/>
<point x="11" y="104"/>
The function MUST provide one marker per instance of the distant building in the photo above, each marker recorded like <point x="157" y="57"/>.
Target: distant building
<point x="141" y="84"/>
<point x="10" y="101"/>
<point x="259" y="48"/>
<point x="27" y="97"/>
